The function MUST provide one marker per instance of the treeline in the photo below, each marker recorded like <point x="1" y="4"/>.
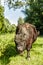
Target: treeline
<point x="34" y="13"/>
<point x="33" y="10"/>
<point x="5" y="25"/>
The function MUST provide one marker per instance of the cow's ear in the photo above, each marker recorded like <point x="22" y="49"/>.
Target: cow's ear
<point x="38" y="32"/>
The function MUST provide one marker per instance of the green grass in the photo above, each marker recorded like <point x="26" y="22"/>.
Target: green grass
<point x="9" y="55"/>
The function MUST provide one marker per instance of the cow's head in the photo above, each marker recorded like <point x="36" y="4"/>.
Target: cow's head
<point x="20" y="46"/>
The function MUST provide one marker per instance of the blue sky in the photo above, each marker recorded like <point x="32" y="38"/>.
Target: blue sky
<point x="12" y="15"/>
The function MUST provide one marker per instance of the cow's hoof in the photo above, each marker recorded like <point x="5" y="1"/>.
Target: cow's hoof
<point x="28" y="58"/>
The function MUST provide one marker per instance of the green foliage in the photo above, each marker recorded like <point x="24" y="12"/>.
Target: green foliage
<point x="9" y="55"/>
<point x="1" y="13"/>
<point x="15" y="3"/>
<point x="20" y="20"/>
<point x="5" y="25"/>
<point x="34" y="14"/>
<point x="0" y="25"/>
<point x="1" y="16"/>
<point x="12" y="28"/>
<point x="1" y="9"/>
<point x="33" y="11"/>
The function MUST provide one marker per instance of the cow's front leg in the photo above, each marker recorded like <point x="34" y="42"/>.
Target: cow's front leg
<point x="28" y="51"/>
<point x="28" y="55"/>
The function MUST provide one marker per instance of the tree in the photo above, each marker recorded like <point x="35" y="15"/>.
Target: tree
<point x="34" y="14"/>
<point x="15" y="3"/>
<point x="5" y="25"/>
<point x="1" y="17"/>
<point x="20" y="20"/>
<point x="12" y="28"/>
<point x="4" y="22"/>
<point x="33" y="11"/>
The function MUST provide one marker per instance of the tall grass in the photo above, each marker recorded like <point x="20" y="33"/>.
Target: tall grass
<point x="9" y="55"/>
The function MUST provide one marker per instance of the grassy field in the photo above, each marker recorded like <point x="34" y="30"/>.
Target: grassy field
<point x="9" y="55"/>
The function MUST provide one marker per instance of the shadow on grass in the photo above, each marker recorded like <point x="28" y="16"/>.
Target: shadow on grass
<point x="8" y="52"/>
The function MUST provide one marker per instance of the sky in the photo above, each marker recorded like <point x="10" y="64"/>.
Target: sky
<point x="12" y="15"/>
